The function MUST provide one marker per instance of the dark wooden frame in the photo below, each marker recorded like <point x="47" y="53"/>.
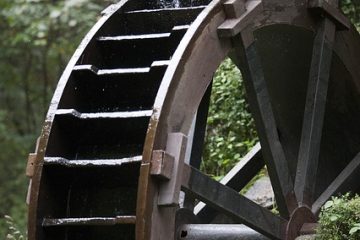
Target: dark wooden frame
<point x="220" y="31"/>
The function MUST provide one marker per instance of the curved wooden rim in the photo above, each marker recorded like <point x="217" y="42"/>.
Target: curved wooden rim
<point x="182" y="88"/>
<point x="173" y="111"/>
<point x="191" y="49"/>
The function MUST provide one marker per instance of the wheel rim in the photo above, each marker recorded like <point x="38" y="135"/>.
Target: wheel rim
<point x="293" y="197"/>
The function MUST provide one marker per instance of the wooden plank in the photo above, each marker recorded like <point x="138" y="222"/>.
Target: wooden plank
<point x="260" y="104"/>
<point x="119" y="71"/>
<point x="134" y="37"/>
<point x="96" y="71"/>
<point x="347" y="180"/>
<point x="167" y="10"/>
<point x="234" y="8"/>
<point x="234" y="26"/>
<point x="331" y="10"/>
<point x="59" y="161"/>
<point x="162" y="165"/>
<point x="314" y="113"/>
<point x="101" y="115"/>
<point x="30" y="167"/>
<point x="94" y="221"/>
<point x="245" y="169"/>
<point x="231" y="203"/>
<point x="200" y="129"/>
<point x="175" y="30"/>
<point x="199" y="138"/>
<point x="169" y="192"/>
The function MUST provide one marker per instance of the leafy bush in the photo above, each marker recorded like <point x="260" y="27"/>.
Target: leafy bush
<point x="14" y="232"/>
<point x="230" y="130"/>
<point x="13" y="182"/>
<point x="351" y="8"/>
<point x="340" y="219"/>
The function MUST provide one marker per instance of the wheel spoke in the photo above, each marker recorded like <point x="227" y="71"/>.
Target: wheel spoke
<point x="347" y="180"/>
<point x="238" y="177"/>
<point x="230" y="202"/>
<point x="260" y="103"/>
<point x="200" y="129"/>
<point x="314" y="113"/>
<point x="245" y="170"/>
<point x="199" y="138"/>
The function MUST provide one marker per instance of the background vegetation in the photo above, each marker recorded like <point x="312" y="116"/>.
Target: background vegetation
<point x="340" y="219"/>
<point x="37" y="38"/>
<point x="230" y="127"/>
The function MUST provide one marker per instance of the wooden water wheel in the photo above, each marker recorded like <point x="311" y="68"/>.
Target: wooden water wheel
<point x="124" y="132"/>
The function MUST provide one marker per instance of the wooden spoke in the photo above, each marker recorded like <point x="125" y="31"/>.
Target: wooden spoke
<point x="198" y="139"/>
<point x="347" y="180"/>
<point x="232" y="203"/>
<point x="265" y="121"/>
<point x="200" y="129"/>
<point x="93" y="221"/>
<point x="314" y="113"/>
<point x="238" y="177"/>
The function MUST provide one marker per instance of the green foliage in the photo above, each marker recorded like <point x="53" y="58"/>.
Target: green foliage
<point x="14" y="232"/>
<point x="340" y="219"/>
<point x="230" y="127"/>
<point x="351" y="8"/>
<point x="13" y="181"/>
<point x="37" y="39"/>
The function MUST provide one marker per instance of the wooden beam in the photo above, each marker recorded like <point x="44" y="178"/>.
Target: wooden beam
<point x="234" y="26"/>
<point x="314" y="112"/>
<point x="162" y="165"/>
<point x="234" y="8"/>
<point x="200" y="129"/>
<point x="260" y="104"/>
<point x="247" y="168"/>
<point x="199" y="138"/>
<point x="238" y="177"/>
<point x="231" y="203"/>
<point x="93" y="221"/>
<point x="347" y="180"/>
<point x="169" y="191"/>
<point x="332" y="11"/>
